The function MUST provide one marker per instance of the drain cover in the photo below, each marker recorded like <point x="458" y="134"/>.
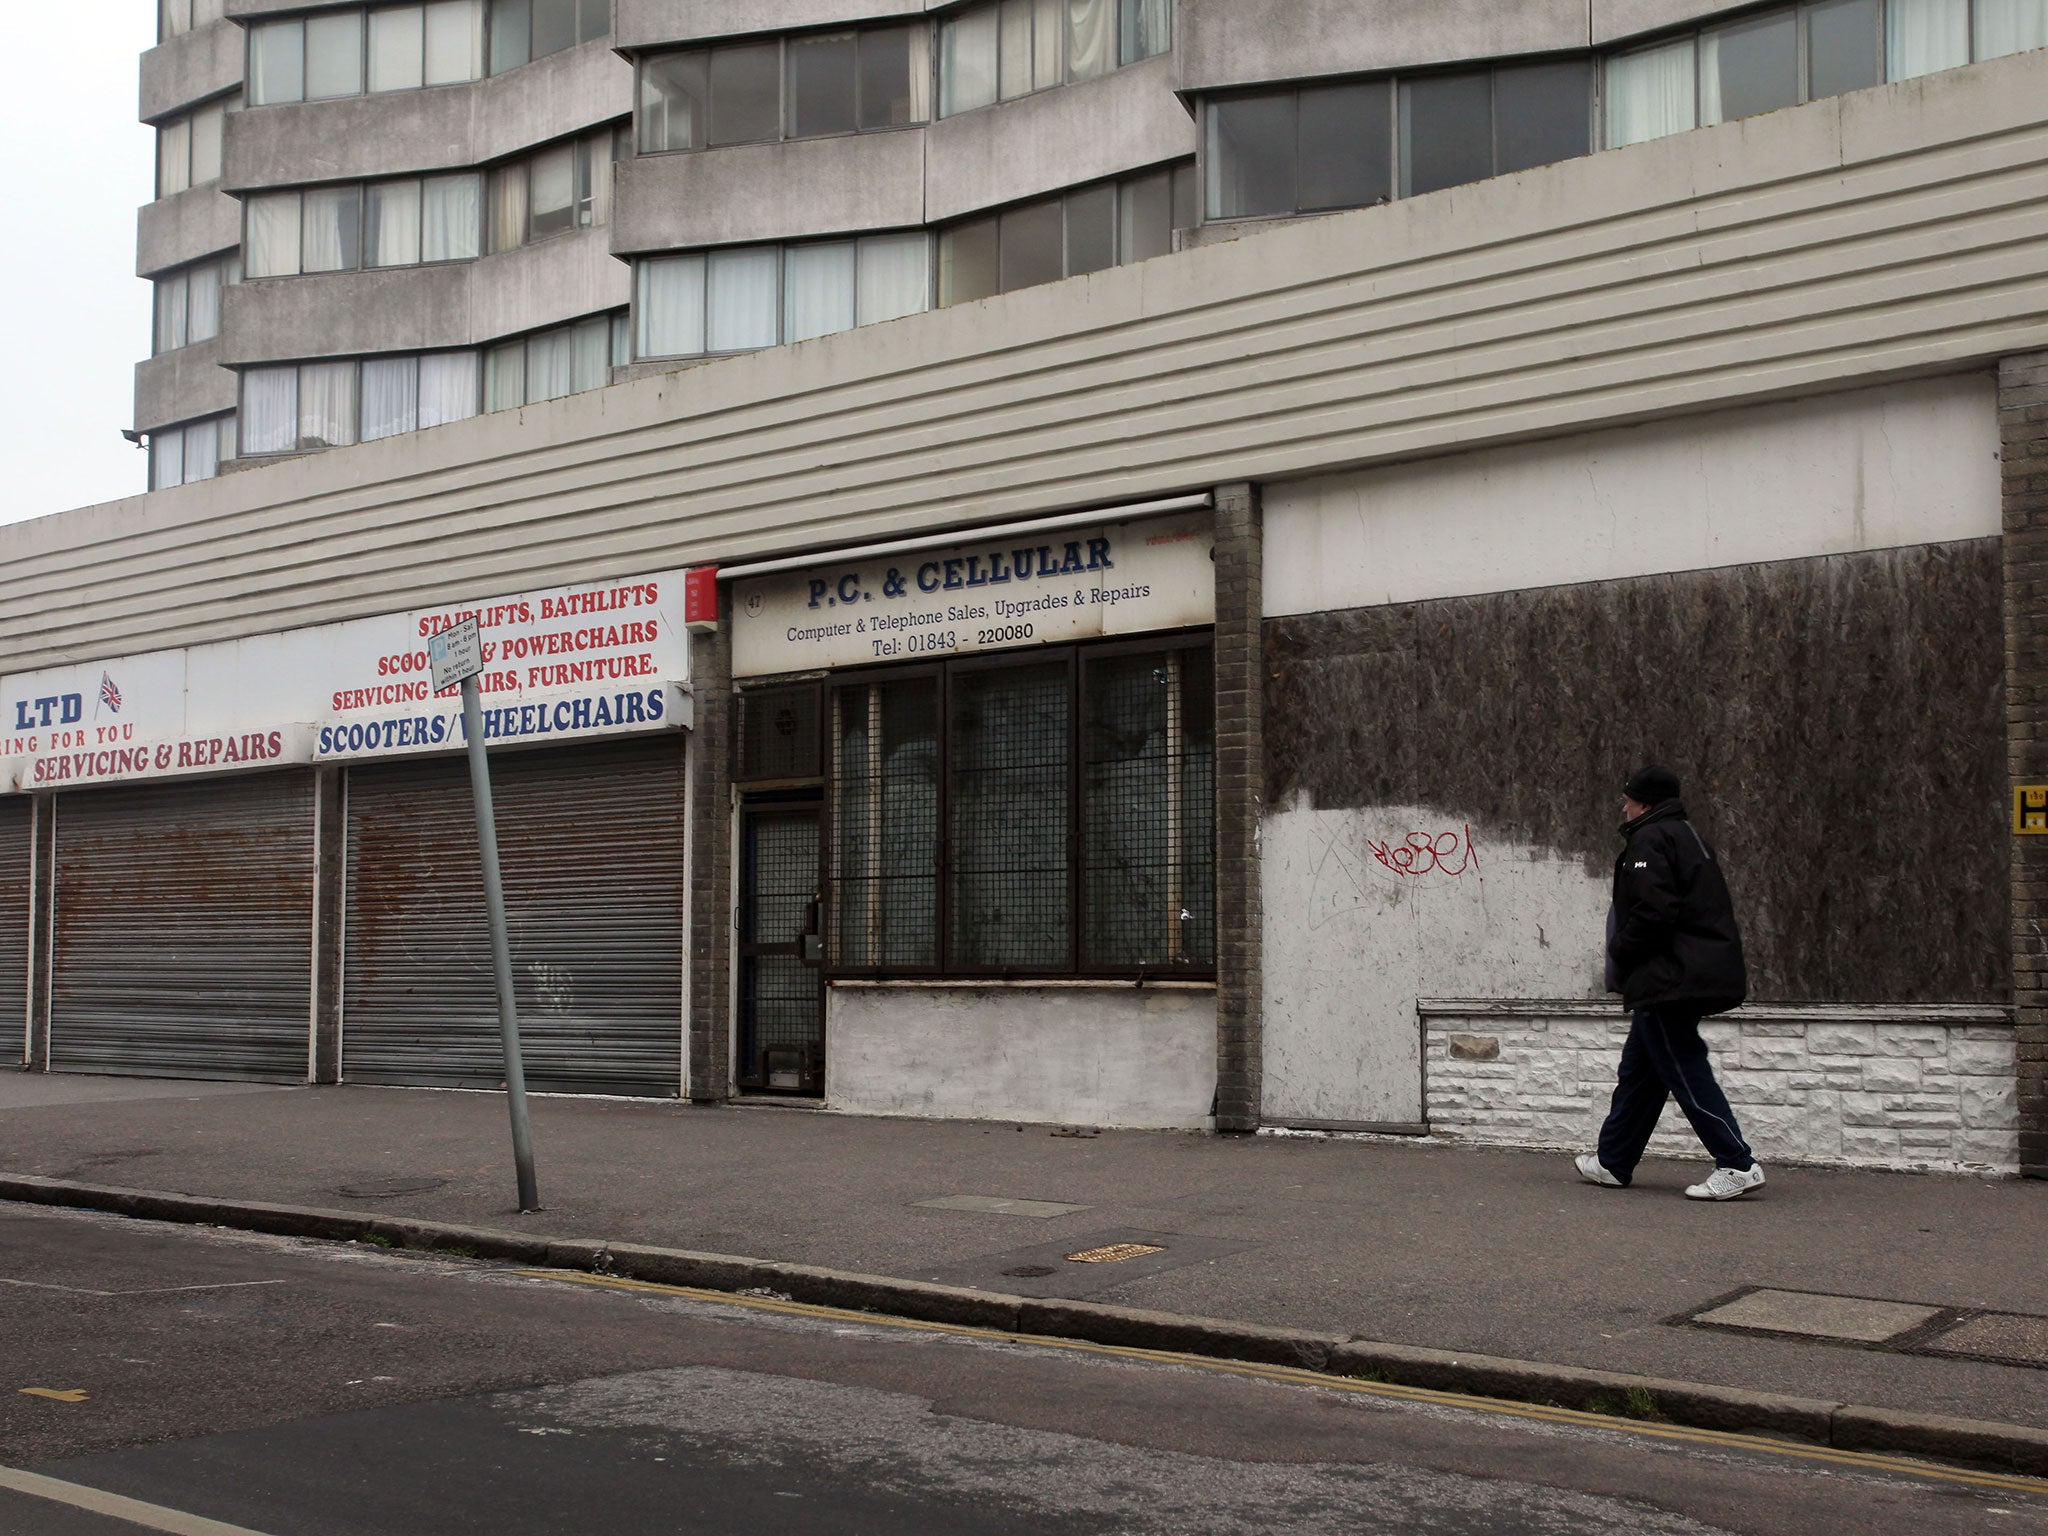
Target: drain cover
<point x="1113" y="1253"/>
<point x="1030" y="1271"/>
<point x="383" y="1189"/>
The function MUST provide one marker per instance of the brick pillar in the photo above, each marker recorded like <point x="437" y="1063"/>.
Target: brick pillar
<point x="330" y="853"/>
<point x="2023" y="428"/>
<point x="1240" y="770"/>
<point x="710" y="959"/>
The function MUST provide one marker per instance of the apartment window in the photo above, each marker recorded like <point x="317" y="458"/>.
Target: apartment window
<point x="746" y="297"/>
<point x="524" y="30"/>
<point x="180" y="455"/>
<point x="1080" y="231"/>
<point x="790" y="88"/>
<point x="174" y="18"/>
<point x="302" y="407"/>
<point x="1046" y="814"/>
<point x="188" y="302"/>
<point x="563" y="361"/>
<point x="188" y="147"/>
<point x="332" y="54"/>
<point x="564" y="187"/>
<point x="997" y="52"/>
<point x="398" y="223"/>
<point x="1467" y="126"/>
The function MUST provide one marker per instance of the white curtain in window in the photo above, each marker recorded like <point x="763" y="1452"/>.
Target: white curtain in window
<point x="552" y="187"/>
<point x="1014" y="78"/>
<point x="1710" y="78"/>
<point x="273" y="236"/>
<point x="451" y="227"/>
<point x="270" y="410"/>
<point x="202" y="451"/>
<point x="1091" y="38"/>
<point x="172" y="18"/>
<point x="597" y="155"/>
<point x="591" y="345"/>
<point x="455" y="41"/>
<point x="818" y="282"/>
<point x="1922" y="36"/>
<point x="206" y="129"/>
<point x="508" y="208"/>
<point x="174" y="157"/>
<point x="391" y="224"/>
<point x="550" y="365"/>
<point x="895" y="277"/>
<point x="327" y="405"/>
<point x="920" y="74"/>
<point x="171" y="295"/>
<point x="277" y="62"/>
<point x="334" y="55"/>
<point x="1049" y="22"/>
<point x="391" y="396"/>
<point x="1650" y="94"/>
<point x="329" y="237"/>
<point x="2008" y="26"/>
<point x="203" y="309"/>
<point x="448" y="387"/>
<point x="740" y="299"/>
<point x="396" y="51"/>
<point x="967" y="61"/>
<point x="671" y="307"/>
<point x="166" y="459"/>
<point x="505" y="376"/>
<point x="1148" y="29"/>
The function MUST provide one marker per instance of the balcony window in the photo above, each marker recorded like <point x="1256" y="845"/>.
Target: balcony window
<point x="564" y="360"/>
<point x="400" y="223"/>
<point x="332" y="54"/>
<point x="1010" y="48"/>
<point x="524" y="30"/>
<point x="188" y="147"/>
<point x="807" y="86"/>
<point x="187" y="302"/>
<point x="1083" y="230"/>
<point x="563" y="187"/>
<point x="304" y="407"/>
<point x="746" y="297"/>
<point x="183" y="454"/>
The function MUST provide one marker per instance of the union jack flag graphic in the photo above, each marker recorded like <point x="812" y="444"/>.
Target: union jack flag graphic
<point x="110" y="695"/>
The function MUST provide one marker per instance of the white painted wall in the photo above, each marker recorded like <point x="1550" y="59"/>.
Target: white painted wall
<point x="1111" y="1055"/>
<point x="1912" y="463"/>
<point x="1350" y="943"/>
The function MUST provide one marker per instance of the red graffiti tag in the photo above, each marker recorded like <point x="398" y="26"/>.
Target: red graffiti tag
<point x="1446" y="853"/>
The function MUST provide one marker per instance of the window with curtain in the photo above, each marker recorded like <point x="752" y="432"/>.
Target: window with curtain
<point x="1468" y="125"/>
<point x="331" y="54"/>
<point x="188" y="147"/>
<point x="330" y="229"/>
<point x="300" y="408"/>
<point x="563" y="187"/>
<point x="1010" y="48"/>
<point x="270" y="410"/>
<point x="524" y="30"/>
<point x="747" y="297"/>
<point x="565" y="360"/>
<point x="182" y="454"/>
<point x="1080" y="231"/>
<point x="378" y="224"/>
<point x="808" y="85"/>
<point x="1041" y="814"/>
<point x="187" y="302"/>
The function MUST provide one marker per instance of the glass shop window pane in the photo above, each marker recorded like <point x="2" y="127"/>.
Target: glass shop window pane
<point x="1750" y="66"/>
<point x="207" y="123"/>
<point x="391" y="224"/>
<point x="967" y="262"/>
<point x="895" y="277"/>
<point x="330" y="239"/>
<point x="1144" y="222"/>
<point x="967" y="61"/>
<point x="1650" y="94"/>
<point x="885" y="825"/>
<point x="742" y="290"/>
<point x="277" y="62"/>
<point x="397" y="48"/>
<point x="1251" y="157"/>
<point x="1446" y="131"/>
<point x="818" y="290"/>
<point x="553" y="194"/>
<point x="1147" y="29"/>
<point x="1842" y="52"/>
<point x="675" y="94"/>
<point x="1007" y="821"/>
<point x="1091" y="229"/>
<point x="1016" y="49"/>
<point x="1031" y="245"/>
<point x="454" y="41"/>
<point x="823" y="85"/>
<point x="1345" y="159"/>
<point x="670" y="307"/>
<point x="1542" y="113"/>
<point x="1921" y="36"/>
<point x="2010" y="26"/>
<point x="554" y="26"/>
<point x="334" y="55"/>
<point x="511" y="35"/>
<point x="893" y="65"/>
<point x="746" y="93"/>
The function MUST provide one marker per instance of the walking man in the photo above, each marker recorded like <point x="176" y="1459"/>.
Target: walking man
<point x="1675" y="956"/>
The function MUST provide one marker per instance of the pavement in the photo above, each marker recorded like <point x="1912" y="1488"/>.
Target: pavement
<point x="1414" y="1246"/>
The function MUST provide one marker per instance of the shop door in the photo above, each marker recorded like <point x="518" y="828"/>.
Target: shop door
<point x="591" y="842"/>
<point x="184" y="930"/>
<point x="781" y="991"/>
<point x="15" y="824"/>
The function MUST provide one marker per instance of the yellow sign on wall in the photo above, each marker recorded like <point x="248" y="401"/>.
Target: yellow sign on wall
<point x="2030" y="809"/>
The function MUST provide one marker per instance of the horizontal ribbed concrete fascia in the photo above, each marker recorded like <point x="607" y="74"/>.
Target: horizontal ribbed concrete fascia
<point x="1892" y="232"/>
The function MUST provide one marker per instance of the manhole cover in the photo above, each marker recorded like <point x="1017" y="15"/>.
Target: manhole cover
<point x="1113" y="1253"/>
<point x="1030" y="1271"/>
<point x="381" y="1189"/>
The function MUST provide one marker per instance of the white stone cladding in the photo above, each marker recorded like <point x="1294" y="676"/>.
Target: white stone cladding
<point x="1928" y="1088"/>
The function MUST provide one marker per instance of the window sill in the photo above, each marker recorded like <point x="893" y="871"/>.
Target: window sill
<point x="1045" y="983"/>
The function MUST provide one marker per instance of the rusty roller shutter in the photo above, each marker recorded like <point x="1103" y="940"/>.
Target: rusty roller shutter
<point x="184" y="929"/>
<point x="591" y="842"/>
<point x="15" y="825"/>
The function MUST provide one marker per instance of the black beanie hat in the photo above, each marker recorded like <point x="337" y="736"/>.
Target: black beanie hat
<point x="1651" y="785"/>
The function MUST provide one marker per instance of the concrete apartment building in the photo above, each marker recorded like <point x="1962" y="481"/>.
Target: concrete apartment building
<point x="1186" y="510"/>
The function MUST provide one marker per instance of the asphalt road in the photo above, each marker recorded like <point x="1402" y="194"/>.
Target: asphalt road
<point x="305" y="1389"/>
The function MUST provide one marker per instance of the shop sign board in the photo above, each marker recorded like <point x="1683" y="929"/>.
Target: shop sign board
<point x="997" y="593"/>
<point x="602" y="658"/>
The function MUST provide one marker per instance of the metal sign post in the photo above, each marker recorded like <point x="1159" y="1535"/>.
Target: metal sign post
<point x="457" y="655"/>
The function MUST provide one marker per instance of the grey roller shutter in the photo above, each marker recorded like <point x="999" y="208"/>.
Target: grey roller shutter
<point x="184" y="929"/>
<point x="15" y="824"/>
<point x="591" y="842"/>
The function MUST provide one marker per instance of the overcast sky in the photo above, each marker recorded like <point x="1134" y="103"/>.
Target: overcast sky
<point x="80" y="315"/>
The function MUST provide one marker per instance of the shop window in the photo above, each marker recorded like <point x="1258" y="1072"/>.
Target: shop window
<point x="1080" y="231"/>
<point x="1026" y="815"/>
<point x="801" y="87"/>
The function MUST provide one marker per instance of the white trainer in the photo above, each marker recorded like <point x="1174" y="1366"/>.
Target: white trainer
<point x="1727" y="1183"/>
<point x="1593" y="1171"/>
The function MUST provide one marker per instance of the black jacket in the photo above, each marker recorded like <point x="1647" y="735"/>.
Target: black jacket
<point x="1674" y="938"/>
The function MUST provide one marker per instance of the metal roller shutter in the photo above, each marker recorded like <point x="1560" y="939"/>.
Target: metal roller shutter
<point x="15" y="825"/>
<point x="184" y="929"/>
<point x="591" y="841"/>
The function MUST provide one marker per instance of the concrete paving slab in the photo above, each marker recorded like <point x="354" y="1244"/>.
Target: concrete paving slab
<point x="1049" y="1270"/>
<point x="996" y="1205"/>
<point x="1849" y="1318"/>
<point x="1999" y="1336"/>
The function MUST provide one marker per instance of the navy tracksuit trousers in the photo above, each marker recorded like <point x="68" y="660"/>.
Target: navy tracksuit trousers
<point x="1666" y="1056"/>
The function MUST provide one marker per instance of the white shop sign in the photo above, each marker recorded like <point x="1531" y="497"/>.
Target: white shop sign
<point x="1044" y="588"/>
<point x="598" y="659"/>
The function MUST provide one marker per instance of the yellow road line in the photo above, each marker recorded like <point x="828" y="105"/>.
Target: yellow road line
<point x="1292" y="1376"/>
<point x="151" y="1517"/>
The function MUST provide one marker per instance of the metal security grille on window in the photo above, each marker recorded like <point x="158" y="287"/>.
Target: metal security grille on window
<point x="1009" y="783"/>
<point x="780" y="1030"/>
<point x="885" y="820"/>
<point x="778" y="735"/>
